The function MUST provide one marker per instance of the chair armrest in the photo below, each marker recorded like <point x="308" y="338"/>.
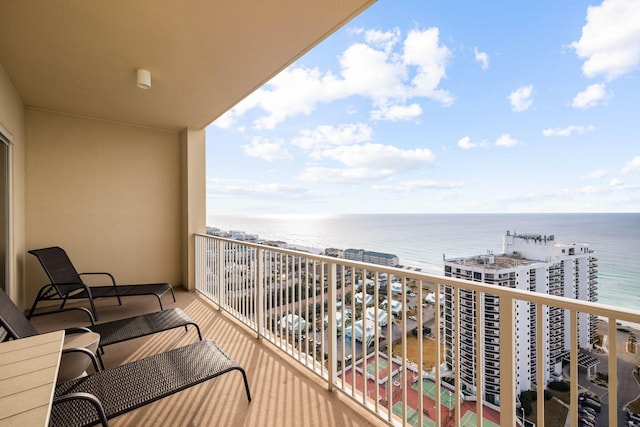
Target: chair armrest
<point x="113" y="279"/>
<point x="76" y="330"/>
<point x="88" y="353"/>
<point x="83" y="309"/>
<point x="86" y="397"/>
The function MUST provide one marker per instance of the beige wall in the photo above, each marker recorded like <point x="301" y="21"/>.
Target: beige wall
<point x="109" y="194"/>
<point x="193" y="198"/>
<point x="12" y="120"/>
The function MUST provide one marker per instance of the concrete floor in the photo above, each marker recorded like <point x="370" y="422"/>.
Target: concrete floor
<point x="283" y="394"/>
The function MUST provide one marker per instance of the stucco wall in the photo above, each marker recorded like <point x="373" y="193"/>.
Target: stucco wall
<point x="12" y="120"/>
<point x="109" y="194"/>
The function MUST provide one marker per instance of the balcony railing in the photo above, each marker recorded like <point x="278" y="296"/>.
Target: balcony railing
<point x="305" y="305"/>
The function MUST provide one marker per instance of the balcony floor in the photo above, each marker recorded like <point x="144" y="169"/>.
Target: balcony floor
<point x="283" y="394"/>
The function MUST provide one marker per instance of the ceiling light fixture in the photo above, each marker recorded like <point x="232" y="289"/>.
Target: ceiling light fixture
<point x="144" y="79"/>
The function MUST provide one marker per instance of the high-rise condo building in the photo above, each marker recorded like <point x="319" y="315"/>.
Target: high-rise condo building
<point x="533" y="263"/>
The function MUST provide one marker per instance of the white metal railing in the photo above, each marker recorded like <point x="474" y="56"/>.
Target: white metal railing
<point x="314" y="308"/>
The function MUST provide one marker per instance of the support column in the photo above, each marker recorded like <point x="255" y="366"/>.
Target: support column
<point x="194" y="209"/>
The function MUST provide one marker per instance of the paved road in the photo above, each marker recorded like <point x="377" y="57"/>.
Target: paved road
<point x="628" y="388"/>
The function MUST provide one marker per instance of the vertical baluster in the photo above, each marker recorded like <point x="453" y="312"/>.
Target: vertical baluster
<point x="480" y="360"/>
<point x="438" y="379"/>
<point x="507" y="359"/>
<point x="573" y="334"/>
<point x="542" y="351"/>
<point x="457" y="364"/>
<point x="332" y="329"/>
<point x="613" y="372"/>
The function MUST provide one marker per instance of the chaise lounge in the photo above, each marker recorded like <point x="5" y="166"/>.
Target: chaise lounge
<point x="95" y="398"/>
<point x="66" y="283"/>
<point x="17" y="325"/>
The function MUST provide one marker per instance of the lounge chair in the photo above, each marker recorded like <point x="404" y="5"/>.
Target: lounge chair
<point x="18" y="326"/>
<point x="66" y="283"/>
<point x="106" y="394"/>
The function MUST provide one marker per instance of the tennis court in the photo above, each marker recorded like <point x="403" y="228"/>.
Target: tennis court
<point x="429" y="389"/>
<point x="412" y="416"/>
<point x="470" y="419"/>
<point x="382" y="365"/>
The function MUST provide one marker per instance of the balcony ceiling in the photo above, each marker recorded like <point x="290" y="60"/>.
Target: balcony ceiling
<point x="80" y="57"/>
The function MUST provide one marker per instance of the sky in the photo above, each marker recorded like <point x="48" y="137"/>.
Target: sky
<point x="443" y="107"/>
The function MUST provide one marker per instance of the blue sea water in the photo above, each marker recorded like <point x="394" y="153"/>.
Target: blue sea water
<point x="420" y="240"/>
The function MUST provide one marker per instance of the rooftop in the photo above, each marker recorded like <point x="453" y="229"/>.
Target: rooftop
<point x="492" y="262"/>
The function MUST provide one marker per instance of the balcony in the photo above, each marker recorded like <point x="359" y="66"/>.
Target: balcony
<point x="393" y="397"/>
<point x="318" y="377"/>
<point x="283" y="394"/>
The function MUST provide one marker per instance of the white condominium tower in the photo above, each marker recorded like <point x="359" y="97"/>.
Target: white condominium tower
<point x="534" y="263"/>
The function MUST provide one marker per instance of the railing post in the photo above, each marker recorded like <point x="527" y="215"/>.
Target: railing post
<point x="507" y="362"/>
<point x="457" y="358"/>
<point x="259" y="284"/>
<point x="480" y="359"/>
<point x="542" y="323"/>
<point x="573" y="369"/>
<point x="613" y="371"/>
<point x="220" y="277"/>
<point x="332" y="332"/>
<point x="198" y="242"/>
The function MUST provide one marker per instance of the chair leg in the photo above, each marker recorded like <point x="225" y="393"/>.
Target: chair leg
<point x="93" y="307"/>
<point x="86" y="397"/>
<point x="41" y="292"/>
<point x="33" y="308"/>
<point x="246" y="383"/>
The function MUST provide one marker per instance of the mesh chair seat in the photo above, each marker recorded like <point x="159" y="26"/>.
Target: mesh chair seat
<point x="13" y="320"/>
<point x="143" y="325"/>
<point x="66" y="283"/>
<point x="141" y="382"/>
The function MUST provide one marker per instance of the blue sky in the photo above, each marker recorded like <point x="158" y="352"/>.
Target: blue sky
<point x="444" y="107"/>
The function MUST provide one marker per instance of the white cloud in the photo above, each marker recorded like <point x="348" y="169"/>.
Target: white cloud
<point x="610" y="40"/>
<point x="404" y="71"/>
<point x="506" y="141"/>
<point x="521" y="98"/>
<point x="410" y="186"/>
<point x="632" y="166"/>
<point x="590" y="97"/>
<point x="568" y="131"/>
<point x="218" y="187"/>
<point x="482" y="58"/>
<point x="597" y="174"/>
<point x="269" y="151"/>
<point x="294" y="91"/>
<point x="614" y="186"/>
<point x="380" y="156"/>
<point x="423" y="49"/>
<point x="466" y="144"/>
<point x="448" y="195"/>
<point x="396" y="113"/>
<point x="326" y="135"/>
<point x="616" y="182"/>
<point x="366" y="162"/>
<point x="383" y="39"/>
<point x="336" y="175"/>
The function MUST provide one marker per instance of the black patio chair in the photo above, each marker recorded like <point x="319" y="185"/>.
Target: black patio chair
<point x="66" y="283"/>
<point x="18" y="326"/>
<point x="95" y="398"/>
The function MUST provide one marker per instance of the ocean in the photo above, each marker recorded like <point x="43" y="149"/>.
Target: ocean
<point x="421" y="240"/>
